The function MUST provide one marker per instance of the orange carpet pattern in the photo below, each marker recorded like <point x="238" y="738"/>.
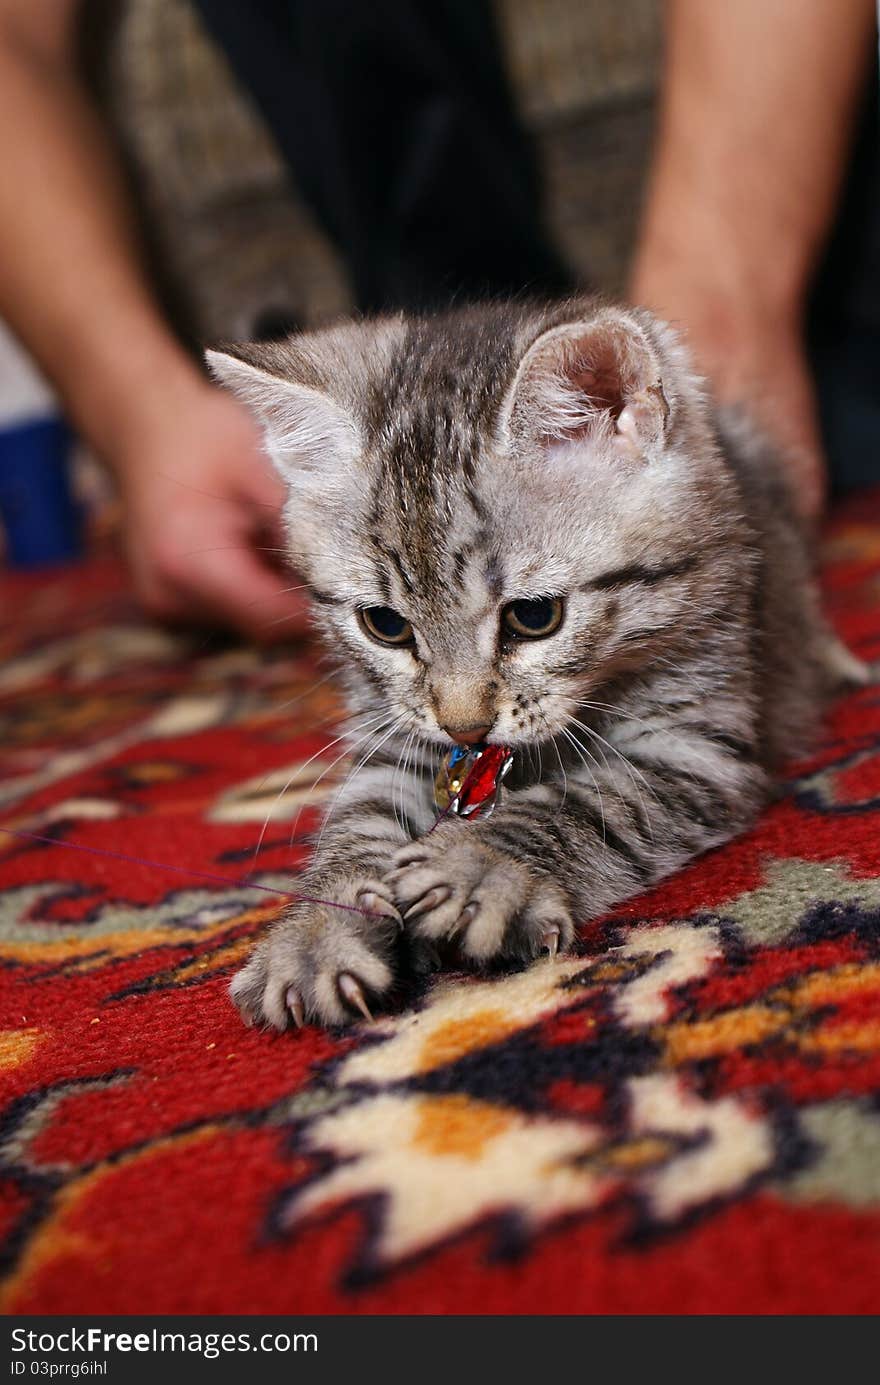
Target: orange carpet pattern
<point x="682" y="1117"/>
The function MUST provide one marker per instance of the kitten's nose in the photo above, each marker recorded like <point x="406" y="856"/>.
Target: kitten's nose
<point x="467" y="735"/>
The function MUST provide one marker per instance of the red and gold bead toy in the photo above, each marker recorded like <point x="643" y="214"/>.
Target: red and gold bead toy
<point x="469" y="780"/>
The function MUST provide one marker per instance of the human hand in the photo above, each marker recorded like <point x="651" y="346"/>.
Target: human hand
<point x="202" y="519"/>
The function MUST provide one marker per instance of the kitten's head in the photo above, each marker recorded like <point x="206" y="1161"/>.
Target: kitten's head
<point x="500" y="511"/>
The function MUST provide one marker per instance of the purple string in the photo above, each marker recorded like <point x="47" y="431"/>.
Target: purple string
<point x="185" y="870"/>
<point x="443" y="813"/>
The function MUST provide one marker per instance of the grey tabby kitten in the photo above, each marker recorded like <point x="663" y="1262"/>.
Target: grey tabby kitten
<point x="528" y="525"/>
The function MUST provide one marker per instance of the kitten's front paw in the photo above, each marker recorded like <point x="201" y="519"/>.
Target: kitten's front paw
<point x="451" y="886"/>
<point x="323" y="963"/>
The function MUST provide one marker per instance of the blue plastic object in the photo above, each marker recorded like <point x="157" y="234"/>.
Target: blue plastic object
<point x="40" y="517"/>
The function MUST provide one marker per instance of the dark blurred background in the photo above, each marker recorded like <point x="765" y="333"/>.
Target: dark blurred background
<point x="240" y="253"/>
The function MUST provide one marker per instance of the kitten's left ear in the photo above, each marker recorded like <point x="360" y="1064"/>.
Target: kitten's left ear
<point x="600" y="378"/>
<point x="308" y="436"/>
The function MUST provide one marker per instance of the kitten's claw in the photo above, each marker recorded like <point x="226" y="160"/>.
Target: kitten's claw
<point x="295" y="1006"/>
<point x="468" y="913"/>
<point x="491" y="906"/>
<point x="428" y="902"/>
<point x="550" y="939"/>
<point x="317" y="964"/>
<point x="374" y="903"/>
<point x="350" y="990"/>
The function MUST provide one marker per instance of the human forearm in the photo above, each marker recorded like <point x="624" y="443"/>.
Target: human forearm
<point x="758" y="104"/>
<point x="199" y="500"/>
<point x="757" y="109"/>
<point x="71" y="279"/>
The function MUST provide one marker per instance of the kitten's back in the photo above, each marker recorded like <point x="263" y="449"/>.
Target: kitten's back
<point x="800" y="662"/>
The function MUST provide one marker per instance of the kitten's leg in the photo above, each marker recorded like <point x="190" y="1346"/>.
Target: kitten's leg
<point x="326" y="963"/>
<point x="512" y="885"/>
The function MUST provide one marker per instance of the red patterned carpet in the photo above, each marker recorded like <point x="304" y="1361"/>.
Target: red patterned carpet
<point x="683" y="1118"/>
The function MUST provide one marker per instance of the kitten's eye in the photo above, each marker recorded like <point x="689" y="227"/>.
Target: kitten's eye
<point x="385" y="625"/>
<point x="532" y="620"/>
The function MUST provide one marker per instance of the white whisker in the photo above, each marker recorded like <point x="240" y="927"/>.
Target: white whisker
<point x="630" y="769"/>
<point x="562" y="769"/>
<point x="399" y="780"/>
<point x="388" y="731"/>
<point x="581" y="751"/>
<point x="377" y="717"/>
<point x="300" y="697"/>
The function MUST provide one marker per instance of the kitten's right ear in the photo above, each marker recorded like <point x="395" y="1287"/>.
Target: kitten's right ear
<point x="599" y="379"/>
<point x="307" y="435"/>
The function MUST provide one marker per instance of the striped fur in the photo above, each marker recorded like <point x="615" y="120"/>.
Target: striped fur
<point x="447" y="466"/>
